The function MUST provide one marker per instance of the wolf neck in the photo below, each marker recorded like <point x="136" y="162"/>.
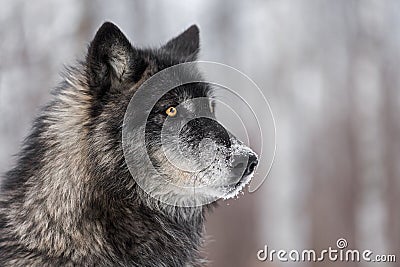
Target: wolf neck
<point x="157" y="237"/>
<point x="62" y="212"/>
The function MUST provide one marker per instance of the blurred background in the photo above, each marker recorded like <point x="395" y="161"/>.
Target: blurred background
<point x="329" y="70"/>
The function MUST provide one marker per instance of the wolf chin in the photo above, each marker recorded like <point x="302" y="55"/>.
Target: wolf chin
<point x="71" y="199"/>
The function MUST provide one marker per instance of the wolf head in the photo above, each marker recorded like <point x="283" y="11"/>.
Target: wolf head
<point x="193" y="158"/>
<point x="82" y="192"/>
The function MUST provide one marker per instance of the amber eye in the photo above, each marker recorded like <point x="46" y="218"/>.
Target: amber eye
<point x="171" y="111"/>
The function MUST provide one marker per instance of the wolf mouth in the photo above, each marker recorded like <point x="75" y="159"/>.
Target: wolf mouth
<point x="238" y="187"/>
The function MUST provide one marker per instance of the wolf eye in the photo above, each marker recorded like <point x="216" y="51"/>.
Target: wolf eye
<point x="171" y="111"/>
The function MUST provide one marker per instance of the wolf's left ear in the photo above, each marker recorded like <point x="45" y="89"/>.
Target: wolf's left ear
<point x="186" y="45"/>
<point x="111" y="57"/>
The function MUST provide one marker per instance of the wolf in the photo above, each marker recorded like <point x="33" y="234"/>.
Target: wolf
<point x="71" y="199"/>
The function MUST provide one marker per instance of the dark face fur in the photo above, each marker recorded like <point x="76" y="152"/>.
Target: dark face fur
<point x="185" y="143"/>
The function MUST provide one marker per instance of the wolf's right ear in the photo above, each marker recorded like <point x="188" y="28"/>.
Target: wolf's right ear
<point x="111" y="58"/>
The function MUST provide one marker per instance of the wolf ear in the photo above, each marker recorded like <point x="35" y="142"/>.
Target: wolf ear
<point x="109" y="57"/>
<point x="186" y="45"/>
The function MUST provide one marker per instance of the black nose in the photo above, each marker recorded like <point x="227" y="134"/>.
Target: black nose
<point x="241" y="169"/>
<point x="251" y="165"/>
